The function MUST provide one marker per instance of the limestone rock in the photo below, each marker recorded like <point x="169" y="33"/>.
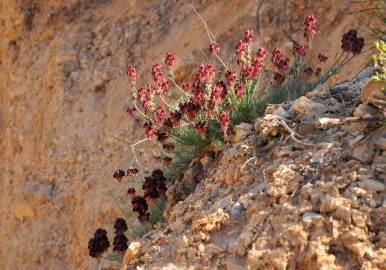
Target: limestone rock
<point x="132" y="252"/>
<point x="283" y="181"/>
<point x="304" y="105"/>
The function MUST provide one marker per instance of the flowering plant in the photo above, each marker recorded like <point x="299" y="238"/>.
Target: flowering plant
<point x="184" y="119"/>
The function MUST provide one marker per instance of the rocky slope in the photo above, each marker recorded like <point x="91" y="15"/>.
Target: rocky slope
<point x="63" y="96"/>
<point x="304" y="188"/>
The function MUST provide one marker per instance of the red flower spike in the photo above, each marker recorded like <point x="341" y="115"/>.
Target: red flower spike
<point x="310" y="28"/>
<point x="248" y="36"/>
<point x="230" y="77"/>
<point x="156" y="72"/>
<point x="241" y="48"/>
<point x="300" y="50"/>
<point x="132" y="73"/>
<point x="201" y="128"/>
<point x="170" y="59"/>
<point x="146" y="105"/>
<point x="239" y="90"/>
<point x="262" y="53"/>
<point x="150" y="130"/>
<point x="186" y="86"/>
<point x="159" y="115"/>
<point x="141" y="94"/>
<point x="214" y="48"/>
<point x="224" y="120"/>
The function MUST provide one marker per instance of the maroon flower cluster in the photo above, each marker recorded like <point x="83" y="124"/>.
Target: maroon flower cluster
<point x="202" y="100"/>
<point x="120" y="243"/>
<point x="98" y="244"/>
<point x="351" y="43"/>
<point x="154" y="188"/>
<point x="281" y="63"/>
<point x="120" y="174"/>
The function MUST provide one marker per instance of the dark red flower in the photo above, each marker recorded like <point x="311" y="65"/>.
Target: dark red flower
<point x="168" y="147"/>
<point x="248" y="36"/>
<point x="132" y="73"/>
<point x="120" y="225"/>
<point x="190" y="109"/>
<point x="161" y="136"/>
<point x="163" y="83"/>
<point x="218" y="93"/>
<point x="308" y="71"/>
<point x="322" y="58"/>
<point x="262" y="53"/>
<point x="139" y="204"/>
<point x="143" y="218"/>
<point x="351" y="43"/>
<point x="279" y="78"/>
<point x="98" y="244"/>
<point x="201" y="128"/>
<point x="277" y="54"/>
<point x="239" y="90"/>
<point x="224" y="120"/>
<point x="283" y="65"/>
<point x="132" y="171"/>
<point x="141" y="94"/>
<point x="310" y="28"/>
<point x="156" y="72"/>
<point x="206" y="72"/>
<point x="167" y="125"/>
<point x="176" y="118"/>
<point x="230" y="77"/>
<point x="146" y="105"/>
<point x="257" y="66"/>
<point x="159" y="115"/>
<point x="119" y="174"/>
<point x="170" y="59"/>
<point x="214" y="48"/>
<point x="131" y="193"/>
<point x="150" y="130"/>
<point x="300" y="50"/>
<point x="241" y="49"/>
<point x="186" y="86"/>
<point x="120" y="244"/>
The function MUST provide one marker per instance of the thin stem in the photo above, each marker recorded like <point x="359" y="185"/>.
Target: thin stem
<point x="101" y="264"/>
<point x="164" y="101"/>
<point x="225" y="66"/>
<point x="177" y="86"/>
<point x="143" y="114"/>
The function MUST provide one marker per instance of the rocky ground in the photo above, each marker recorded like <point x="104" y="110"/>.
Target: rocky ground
<point x="302" y="188"/>
<point x="63" y="95"/>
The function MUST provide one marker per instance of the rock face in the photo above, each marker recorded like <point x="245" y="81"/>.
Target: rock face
<point x="63" y="99"/>
<point x="301" y="204"/>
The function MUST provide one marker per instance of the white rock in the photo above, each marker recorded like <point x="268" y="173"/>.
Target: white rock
<point x="311" y="217"/>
